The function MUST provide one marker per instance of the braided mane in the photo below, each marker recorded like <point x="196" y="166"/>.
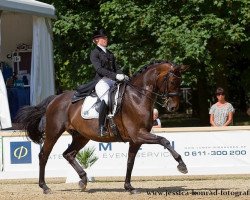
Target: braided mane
<point x="151" y="64"/>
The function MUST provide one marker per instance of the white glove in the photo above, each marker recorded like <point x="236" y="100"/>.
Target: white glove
<point x="126" y="77"/>
<point x="120" y="77"/>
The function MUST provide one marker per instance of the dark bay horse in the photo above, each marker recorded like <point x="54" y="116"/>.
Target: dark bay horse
<point x="47" y="121"/>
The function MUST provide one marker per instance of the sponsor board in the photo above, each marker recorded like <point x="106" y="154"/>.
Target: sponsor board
<point x="20" y="154"/>
<point x="204" y="152"/>
<point x="1" y="154"/>
<point x="209" y="153"/>
<point x="223" y="152"/>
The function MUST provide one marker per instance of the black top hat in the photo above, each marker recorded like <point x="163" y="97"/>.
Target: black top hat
<point x="99" y="33"/>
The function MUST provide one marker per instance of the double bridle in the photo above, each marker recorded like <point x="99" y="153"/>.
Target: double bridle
<point x="165" y="94"/>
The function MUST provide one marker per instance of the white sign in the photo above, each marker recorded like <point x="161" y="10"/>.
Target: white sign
<point x="222" y="152"/>
<point x="16" y="58"/>
<point x="205" y="153"/>
<point x="1" y="155"/>
<point x="20" y="155"/>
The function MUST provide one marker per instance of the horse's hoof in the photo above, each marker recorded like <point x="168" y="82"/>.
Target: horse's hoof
<point x="128" y="187"/>
<point x="82" y="185"/>
<point x="47" y="191"/>
<point x="182" y="168"/>
<point x="134" y="191"/>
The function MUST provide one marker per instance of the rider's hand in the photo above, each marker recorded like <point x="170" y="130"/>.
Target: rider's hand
<point x="126" y="77"/>
<point x="120" y="77"/>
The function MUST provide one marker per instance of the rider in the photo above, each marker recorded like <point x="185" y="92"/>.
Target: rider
<point x="107" y="73"/>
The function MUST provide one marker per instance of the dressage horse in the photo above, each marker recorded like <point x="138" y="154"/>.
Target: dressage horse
<point x="47" y="121"/>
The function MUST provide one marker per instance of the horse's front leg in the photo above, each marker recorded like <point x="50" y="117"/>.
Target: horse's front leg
<point x="133" y="149"/>
<point x="149" y="138"/>
<point x="182" y="166"/>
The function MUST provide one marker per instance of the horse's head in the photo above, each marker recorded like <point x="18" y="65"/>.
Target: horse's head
<point x="162" y="79"/>
<point x="168" y="84"/>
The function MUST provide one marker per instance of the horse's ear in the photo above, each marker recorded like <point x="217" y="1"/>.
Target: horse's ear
<point x="184" y="68"/>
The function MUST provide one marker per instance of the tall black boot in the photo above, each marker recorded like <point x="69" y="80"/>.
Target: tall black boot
<point x="102" y="117"/>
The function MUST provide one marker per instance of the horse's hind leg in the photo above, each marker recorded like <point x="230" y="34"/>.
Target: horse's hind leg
<point x="78" y="142"/>
<point x="49" y="143"/>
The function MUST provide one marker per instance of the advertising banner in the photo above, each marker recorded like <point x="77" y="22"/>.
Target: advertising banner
<point x="1" y="155"/>
<point x="223" y="152"/>
<point x="204" y="152"/>
<point x="21" y="155"/>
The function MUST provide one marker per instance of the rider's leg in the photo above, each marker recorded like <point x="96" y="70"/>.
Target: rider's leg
<point x="102" y="89"/>
<point x="102" y="118"/>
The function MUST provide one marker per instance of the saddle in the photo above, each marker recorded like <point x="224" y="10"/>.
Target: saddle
<point x="83" y="91"/>
<point x="91" y="105"/>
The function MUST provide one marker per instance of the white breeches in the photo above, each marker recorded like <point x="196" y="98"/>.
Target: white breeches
<point x="102" y="88"/>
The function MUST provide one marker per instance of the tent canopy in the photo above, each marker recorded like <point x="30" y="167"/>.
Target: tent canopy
<point x="29" y="7"/>
<point x="29" y="22"/>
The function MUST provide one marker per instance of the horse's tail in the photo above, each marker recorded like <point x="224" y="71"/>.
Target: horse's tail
<point x="29" y="118"/>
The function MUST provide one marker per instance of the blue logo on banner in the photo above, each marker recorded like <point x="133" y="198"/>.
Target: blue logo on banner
<point x="20" y="152"/>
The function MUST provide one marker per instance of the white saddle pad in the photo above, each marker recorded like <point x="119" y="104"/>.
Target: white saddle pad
<point x="88" y="110"/>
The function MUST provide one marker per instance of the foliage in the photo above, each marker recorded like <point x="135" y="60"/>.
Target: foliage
<point x="207" y="35"/>
<point x="210" y="36"/>
<point x="196" y="32"/>
<point x="86" y="157"/>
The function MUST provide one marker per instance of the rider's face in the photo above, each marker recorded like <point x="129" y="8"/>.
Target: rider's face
<point x="103" y="41"/>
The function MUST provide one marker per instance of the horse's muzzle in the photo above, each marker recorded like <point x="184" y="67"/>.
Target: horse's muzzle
<point x="171" y="104"/>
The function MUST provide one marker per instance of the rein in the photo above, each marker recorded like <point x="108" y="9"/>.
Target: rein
<point x="139" y="90"/>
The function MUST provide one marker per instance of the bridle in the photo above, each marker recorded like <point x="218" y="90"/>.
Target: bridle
<point x="164" y="95"/>
<point x="167" y="94"/>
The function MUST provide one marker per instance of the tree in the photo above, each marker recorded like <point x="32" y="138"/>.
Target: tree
<point x="210" y="36"/>
<point x="203" y="34"/>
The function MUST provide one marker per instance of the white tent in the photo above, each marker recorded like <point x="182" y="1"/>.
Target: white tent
<point x="29" y="22"/>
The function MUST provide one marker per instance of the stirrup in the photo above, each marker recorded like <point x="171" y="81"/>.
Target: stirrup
<point x="103" y="132"/>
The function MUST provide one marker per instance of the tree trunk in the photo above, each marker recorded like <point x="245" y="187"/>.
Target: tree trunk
<point x="203" y="98"/>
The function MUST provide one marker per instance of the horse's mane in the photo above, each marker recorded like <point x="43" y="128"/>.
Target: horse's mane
<point x="151" y="64"/>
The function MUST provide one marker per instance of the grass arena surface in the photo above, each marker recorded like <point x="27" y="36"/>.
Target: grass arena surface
<point x="217" y="187"/>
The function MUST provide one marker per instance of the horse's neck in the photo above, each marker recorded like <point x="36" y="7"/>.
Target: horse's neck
<point x="145" y="80"/>
<point x="144" y="87"/>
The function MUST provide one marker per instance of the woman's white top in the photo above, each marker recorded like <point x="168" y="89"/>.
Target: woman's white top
<point x="221" y="113"/>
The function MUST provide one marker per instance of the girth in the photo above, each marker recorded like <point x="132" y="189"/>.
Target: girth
<point x="112" y="93"/>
